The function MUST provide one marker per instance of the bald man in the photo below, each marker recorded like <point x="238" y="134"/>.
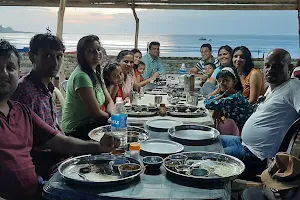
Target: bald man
<point x="264" y="131"/>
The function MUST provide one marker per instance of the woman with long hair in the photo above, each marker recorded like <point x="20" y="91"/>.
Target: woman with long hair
<point x="88" y="103"/>
<point x="139" y="67"/>
<point x="126" y="61"/>
<point x="225" y="58"/>
<point x="251" y="78"/>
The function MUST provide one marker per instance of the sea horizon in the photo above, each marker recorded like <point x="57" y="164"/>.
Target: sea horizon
<point x="174" y="45"/>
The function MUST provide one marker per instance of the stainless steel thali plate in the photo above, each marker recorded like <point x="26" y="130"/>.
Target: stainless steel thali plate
<point x="211" y="167"/>
<point x="161" y="147"/>
<point x="97" y="133"/>
<point x="141" y="114"/>
<point x="193" y="134"/>
<point x="162" y="124"/>
<point x="198" y="113"/>
<point x="95" y="170"/>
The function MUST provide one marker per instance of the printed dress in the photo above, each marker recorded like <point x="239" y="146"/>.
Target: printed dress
<point x="235" y="107"/>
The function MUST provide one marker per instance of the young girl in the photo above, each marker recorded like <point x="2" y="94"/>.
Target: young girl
<point x="139" y="71"/>
<point x="232" y="103"/>
<point x="114" y="78"/>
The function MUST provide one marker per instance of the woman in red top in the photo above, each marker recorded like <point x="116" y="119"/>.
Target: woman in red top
<point x="114" y="78"/>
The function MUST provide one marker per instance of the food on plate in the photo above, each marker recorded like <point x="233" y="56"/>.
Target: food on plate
<point x="85" y="170"/>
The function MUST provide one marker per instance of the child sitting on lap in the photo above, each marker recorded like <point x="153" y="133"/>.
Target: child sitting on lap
<point x="139" y="71"/>
<point x="209" y="69"/>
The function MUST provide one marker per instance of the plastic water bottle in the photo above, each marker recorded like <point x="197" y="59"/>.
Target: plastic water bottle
<point x="119" y="122"/>
<point x="182" y="72"/>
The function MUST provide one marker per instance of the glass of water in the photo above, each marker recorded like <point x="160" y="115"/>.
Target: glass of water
<point x="192" y="98"/>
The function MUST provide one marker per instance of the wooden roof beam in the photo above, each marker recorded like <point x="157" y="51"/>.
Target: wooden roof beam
<point x="220" y="1"/>
<point x="145" y="5"/>
<point x="298" y="8"/>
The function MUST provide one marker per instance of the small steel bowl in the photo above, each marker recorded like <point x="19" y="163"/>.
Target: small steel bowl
<point x="179" y="158"/>
<point x="152" y="163"/>
<point x="198" y="172"/>
<point x="133" y="136"/>
<point x="129" y="169"/>
<point x="181" y="108"/>
<point x="193" y="108"/>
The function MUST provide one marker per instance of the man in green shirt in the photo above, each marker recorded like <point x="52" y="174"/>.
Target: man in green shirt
<point x="152" y="61"/>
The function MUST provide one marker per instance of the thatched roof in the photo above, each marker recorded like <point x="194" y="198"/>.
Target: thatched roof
<point x="165" y="4"/>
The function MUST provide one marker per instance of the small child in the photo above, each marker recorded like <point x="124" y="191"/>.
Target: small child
<point x="114" y="78"/>
<point x="209" y="69"/>
<point x="232" y="103"/>
<point x="139" y="71"/>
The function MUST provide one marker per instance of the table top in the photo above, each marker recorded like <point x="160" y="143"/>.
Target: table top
<point x="149" y="99"/>
<point x="146" y="187"/>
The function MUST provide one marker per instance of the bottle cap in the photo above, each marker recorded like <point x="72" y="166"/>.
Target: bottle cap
<point x="135" y="146"/>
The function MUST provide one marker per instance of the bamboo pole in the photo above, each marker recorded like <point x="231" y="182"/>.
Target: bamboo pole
<point x="298" y="7"/>
<point x="137" y="25"/>
<point x="60" y="18"/>
<point x="59" y="33"/>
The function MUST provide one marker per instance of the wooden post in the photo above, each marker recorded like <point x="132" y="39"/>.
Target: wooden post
<point x="137" y="24"/>
<point x="59" y="33"/>
<point x="60" y="18"/>
<point x="298" y="8"/>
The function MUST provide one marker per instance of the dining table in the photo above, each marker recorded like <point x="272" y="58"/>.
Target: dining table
<point x="160" y="186"/>
<point x="148" y="99"/>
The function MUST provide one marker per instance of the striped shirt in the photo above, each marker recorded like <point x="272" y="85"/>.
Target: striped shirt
<point x="201" y="64"/>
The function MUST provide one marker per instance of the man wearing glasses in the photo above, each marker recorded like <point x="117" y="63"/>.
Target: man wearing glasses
<point x="266" y="128"/>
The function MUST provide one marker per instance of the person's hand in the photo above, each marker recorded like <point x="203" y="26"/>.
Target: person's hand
<point x="104" y="114"/>
<point x="218" y="115"/>
<point x="108" y="143"/>
<point x="155" y="75"/>
<point x="229" y="92"/>
<point x="127" y="100"/>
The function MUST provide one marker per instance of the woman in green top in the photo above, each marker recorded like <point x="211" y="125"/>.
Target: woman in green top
<point x="88" y="104"/>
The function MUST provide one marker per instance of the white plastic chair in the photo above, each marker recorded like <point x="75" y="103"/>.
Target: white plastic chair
<point x="64" y="85"/>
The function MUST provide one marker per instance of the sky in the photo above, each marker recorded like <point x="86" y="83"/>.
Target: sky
<point x="158" y="22"/>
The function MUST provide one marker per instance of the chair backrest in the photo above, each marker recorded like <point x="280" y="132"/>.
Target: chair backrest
<point x="64" y="85"/>
<point x="290" y="137"/>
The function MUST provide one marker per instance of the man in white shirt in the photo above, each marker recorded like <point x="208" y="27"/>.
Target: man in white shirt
<point x="296" y="72"/>
<point x="266" y="128"/>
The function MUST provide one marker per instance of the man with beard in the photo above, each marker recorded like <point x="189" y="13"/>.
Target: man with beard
<point x="21" y="129"/>
<point x="266" y="128"/>
<point x="35" y="90"/>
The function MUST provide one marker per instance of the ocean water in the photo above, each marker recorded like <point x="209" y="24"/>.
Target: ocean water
<point x="176" y="45"/>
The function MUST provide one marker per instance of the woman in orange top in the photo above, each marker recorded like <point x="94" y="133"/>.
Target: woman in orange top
<point x="251" y="78"/>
